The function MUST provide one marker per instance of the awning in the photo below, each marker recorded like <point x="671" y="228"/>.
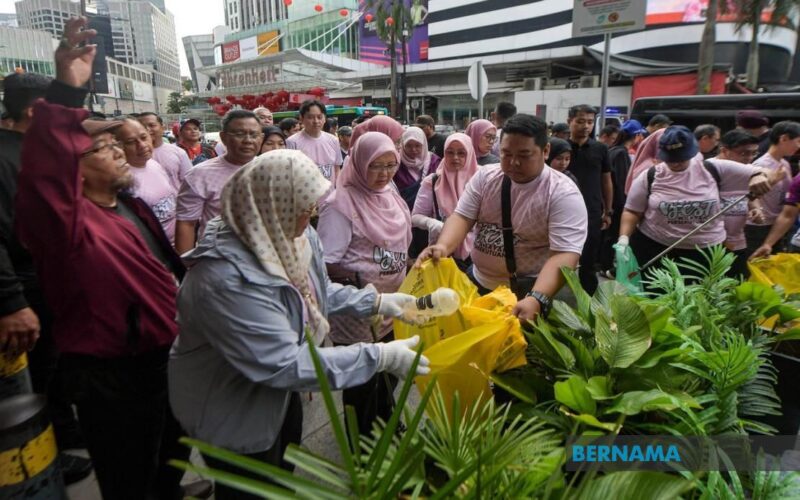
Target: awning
<point x="636" y="66"/>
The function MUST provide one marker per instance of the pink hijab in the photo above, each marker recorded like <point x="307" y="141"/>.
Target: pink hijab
<point x="381" y="215"/>
<point x="381" y="123"/>
<point x="451" y="183"/>
<point x="646" y="157"/>
<point x="421" y="164"/>
<point x="475" y="131"/>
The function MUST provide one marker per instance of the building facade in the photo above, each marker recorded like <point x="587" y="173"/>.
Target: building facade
<point x="199" y="53"/>
<point x="46" y="15"/>
<point x="9" y="20"/>
<point x="130" y="90"/>
<point x="26" y="50"/>
<point x="248" y="14"/>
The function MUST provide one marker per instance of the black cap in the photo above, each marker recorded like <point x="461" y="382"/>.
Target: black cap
<point x="751" y="118"/>
<point x="192" y="120"/>
<point x="659" y="119"/>
<point x="677" y="144"/>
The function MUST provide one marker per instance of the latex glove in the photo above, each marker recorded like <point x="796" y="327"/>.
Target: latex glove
<point x="621" y="245"/>
<point x="434" y="228"/>
<point x="397" y="356"/>
<point x="397" y="305"/>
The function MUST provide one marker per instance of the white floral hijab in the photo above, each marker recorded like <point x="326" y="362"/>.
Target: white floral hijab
<point x="262" y="202"/>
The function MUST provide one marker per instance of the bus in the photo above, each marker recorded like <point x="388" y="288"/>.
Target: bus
<point x="719" y="110"/>
<point x="343" y="114"/>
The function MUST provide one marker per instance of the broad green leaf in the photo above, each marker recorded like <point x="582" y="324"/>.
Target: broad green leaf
<point x="791" y="334"/>
<point x="516" y="383"/>
<point x="604" y="294"/>
<point x="592" y="421"/>
<point x="635" y="402"/>
<point x="558" y="348"/>
<point x="583" y="358"/>
<point x="762" y="295"/>
<point x="651" y="358"/>
<point x="564" y="314"/>
<point x="636" y="485"/>
<point x="582" y="298"/>
<point x="625" y="336"/>
<point x="785" y="312"/>
<point x="573" y="393"/>
<point x="599" y="388"/>
<point x="657" y="315"/>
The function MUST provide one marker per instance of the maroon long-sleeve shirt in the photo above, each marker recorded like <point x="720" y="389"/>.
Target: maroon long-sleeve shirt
<point x="110" y="296"/>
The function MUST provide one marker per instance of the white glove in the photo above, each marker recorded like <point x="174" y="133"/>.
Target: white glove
<point x="397" y="356"/>
<point x="396" y="305"/>
<point x="622" y="241"/>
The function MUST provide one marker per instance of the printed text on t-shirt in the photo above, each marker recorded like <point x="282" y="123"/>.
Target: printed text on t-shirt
<point x="490" y="240"/>
<point x="686" y="211"/>
<point x="390" y="262"/>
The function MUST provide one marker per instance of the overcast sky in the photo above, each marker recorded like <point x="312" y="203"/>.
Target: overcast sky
<point x="192" y="17"/>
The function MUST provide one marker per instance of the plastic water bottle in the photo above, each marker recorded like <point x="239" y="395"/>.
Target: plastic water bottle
<point x="442" y="302"/>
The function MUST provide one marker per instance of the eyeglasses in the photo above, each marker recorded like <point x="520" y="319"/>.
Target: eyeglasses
<point x="98" y="149"/>
<point x="383" y="168"/>
<point x="240" y="136"/>
<point x="491" y="139"/>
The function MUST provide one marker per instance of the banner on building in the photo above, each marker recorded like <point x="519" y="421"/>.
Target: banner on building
<point x="376" y="51"/>
<point x="125" y="88"/>
<point x="230" y="52"/>
<point x="694" y="11"/>
<point x="267" y="43"/>
<point x="247" y="48"/>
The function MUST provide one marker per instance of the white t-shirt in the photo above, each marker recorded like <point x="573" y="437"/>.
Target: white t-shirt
<point x="547" y="213"/>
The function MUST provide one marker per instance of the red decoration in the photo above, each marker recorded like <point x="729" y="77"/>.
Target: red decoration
<point x="389" y="21"/>
<point x="213" y="100"/>
<point x="368" y="18"/>
<point x="230" y="98"/>
<point x="287" y="2"/>
<point x="316" y="91"/>
<point x="344" y="12"/>
<point x="318" y="8"/>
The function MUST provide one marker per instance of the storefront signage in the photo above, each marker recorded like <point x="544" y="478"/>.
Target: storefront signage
<point x="257" y="75"/>
<point x="596" y="17"/>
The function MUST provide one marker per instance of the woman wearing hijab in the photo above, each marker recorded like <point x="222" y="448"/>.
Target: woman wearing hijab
<point x="416" y="162"/>
<point x="439" y="193"/>
<point x="381" y="123"/>
<point x="255" y="295"/>
<point x="273" y="139"/>
<point x="646" y="157"/>
<point x="365" y="228"/>
<point x="483" y="134"/>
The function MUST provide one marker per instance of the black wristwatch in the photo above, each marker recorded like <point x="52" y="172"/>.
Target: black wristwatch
<point x="545" y="302"/>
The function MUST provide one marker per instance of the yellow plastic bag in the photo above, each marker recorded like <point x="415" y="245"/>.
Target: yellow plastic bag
<point x="780" y="269"/>
<point x="421" y="282"/>
<point x="465" y="348"/>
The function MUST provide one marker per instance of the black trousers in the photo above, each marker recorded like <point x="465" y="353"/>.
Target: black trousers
<point x="590" y="256"/>
<point x="372" y="399"/>
<point x="645" y="249"/>
<point x="130" y="432"/>
<point x="291" y="433"/>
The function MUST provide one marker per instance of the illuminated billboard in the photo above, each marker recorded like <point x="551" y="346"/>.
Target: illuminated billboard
<point x="690" y="11"/>
<point x="375" y="50"/>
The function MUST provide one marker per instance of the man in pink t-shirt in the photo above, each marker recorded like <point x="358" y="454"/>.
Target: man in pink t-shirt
<point x="174" y="160"/>
<point x="784" y="140"/>
<point x="548" y="217"/>
<point x="320" y="146"/>
<point x="199" y="196"/>
<point x="784" y="222"/>
<point x="152" y="184"/>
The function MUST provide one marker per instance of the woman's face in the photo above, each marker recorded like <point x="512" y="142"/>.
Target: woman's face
<point x="381" y="171"/>
<point x="561" y="162"/>
<point x="678" y="166"/>
<point x="487" y="141"/>
<point x="413" y="149"/>
<point x="272" y="142"/>
<point x="455" y="156"/>
<point x="303" y="219"/>
<point x="295" y="129"/>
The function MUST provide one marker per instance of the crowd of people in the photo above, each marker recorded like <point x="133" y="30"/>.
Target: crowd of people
<point x="169" y="289"/>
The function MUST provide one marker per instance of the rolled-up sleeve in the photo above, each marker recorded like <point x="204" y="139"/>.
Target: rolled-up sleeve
<point x="568" y="222"/>
<point x="253" y="333"/>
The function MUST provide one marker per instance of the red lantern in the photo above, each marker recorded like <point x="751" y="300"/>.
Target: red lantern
<point x="230" y="98"/>
<point x="318" y="8"/>
<point x="213" y="100"/>
<point x="287" y="2"/>
<point x="368" y="18"/>
<point x="316" y="91"/>
<point x="389" y="21"/>
<point x="344" y="12"/>
<point x="283" y="95"/>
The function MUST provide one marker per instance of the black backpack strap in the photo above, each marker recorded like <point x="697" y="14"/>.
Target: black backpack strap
<point x="435" y="201"/>
<point x="651" y="176"/>
<point x="713" y="170"/>
<point x="508" y="230"/>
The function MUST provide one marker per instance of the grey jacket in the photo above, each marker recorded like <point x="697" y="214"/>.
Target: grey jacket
<point x="241" y="348"/>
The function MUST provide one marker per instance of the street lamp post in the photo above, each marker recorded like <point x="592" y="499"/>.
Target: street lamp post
<point x="404" y="86"/>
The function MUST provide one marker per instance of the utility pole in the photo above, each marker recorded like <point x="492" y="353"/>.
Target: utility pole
<point x="404" y="87"/>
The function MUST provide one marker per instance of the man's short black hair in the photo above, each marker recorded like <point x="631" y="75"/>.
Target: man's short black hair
<point x="425" y="120"/>
<point x="307" y="105"/>
<point x="150" y="113"/>
<point x="21" y="90"/>
<point x="529" y="126"/>
<point x="706" y="130"/>
<point x="790" y="128"/>
<point x="581" y="108"/>
<point x="736" y="138"/>
<point x="505" y="110"/>
<point x="287" y="124"/>
<point x="609" y="130"/>
<point x="236" y="114"/>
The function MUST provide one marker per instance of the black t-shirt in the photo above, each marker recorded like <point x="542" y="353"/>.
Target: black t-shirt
<point x="589" y="162"/>
<point x="436" y="144"/>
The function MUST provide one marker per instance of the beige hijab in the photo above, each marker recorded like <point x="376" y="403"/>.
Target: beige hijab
<point x="262" y="202"/>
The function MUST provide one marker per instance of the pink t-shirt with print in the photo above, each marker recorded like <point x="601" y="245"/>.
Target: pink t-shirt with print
<point x="681" y="201"/>
<point x="324" y="150"/>
<point x="772" y="202"/>
<point x="198" y="198"/>
<point x="547" y="213"/>
<point x="423" y="205"/>
<point x="175" y="162"/>
<point x="153" y="185"/>
<point x="385" y="268"/>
